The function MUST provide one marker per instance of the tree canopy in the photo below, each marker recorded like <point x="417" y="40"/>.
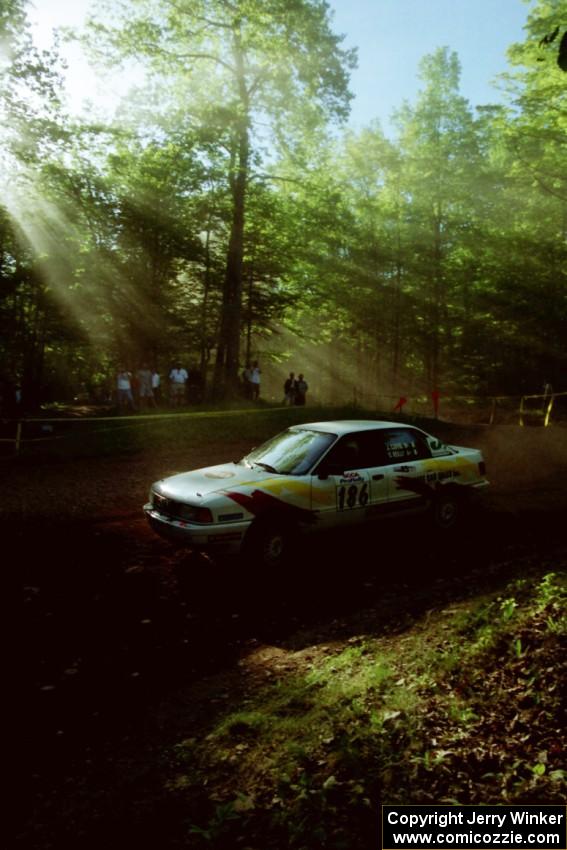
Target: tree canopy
<point x="224" y="215"/>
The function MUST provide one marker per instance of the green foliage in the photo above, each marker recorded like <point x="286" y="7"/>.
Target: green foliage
<point x="216" y="210"/>
<point x="236" y="69"/>
<point x="32" y="133"/>
<point x="390" y="719"/>
<point x="508" y="606"/>
<point x="218" y="825"/>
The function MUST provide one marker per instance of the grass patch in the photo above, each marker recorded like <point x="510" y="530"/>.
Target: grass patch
<point x="67" y="438"/>
<point x="464" y="708"/>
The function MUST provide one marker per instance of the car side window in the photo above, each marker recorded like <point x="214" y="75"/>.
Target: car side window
<point x="404" y="445"/>
<point x="372" y="449"/>
<point x="357" y="451"/>
<point x="344" y="455"/>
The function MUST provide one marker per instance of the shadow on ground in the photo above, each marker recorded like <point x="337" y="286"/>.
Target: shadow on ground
<point x="112" y="618"/>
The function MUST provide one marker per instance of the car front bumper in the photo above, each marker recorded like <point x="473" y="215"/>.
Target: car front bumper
<point x="218" y="536"/>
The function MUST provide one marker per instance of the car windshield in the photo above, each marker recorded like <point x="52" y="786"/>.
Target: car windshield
<point x="292" y="452"/>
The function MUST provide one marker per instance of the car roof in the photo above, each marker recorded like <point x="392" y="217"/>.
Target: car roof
<point x="347" y="426"/>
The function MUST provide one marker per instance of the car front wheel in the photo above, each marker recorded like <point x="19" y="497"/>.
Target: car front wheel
<point x="268" y="544"/>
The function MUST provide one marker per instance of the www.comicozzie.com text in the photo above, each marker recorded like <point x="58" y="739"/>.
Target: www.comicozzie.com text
<point x="474" y="818"/>
<point x="512" y="839"/>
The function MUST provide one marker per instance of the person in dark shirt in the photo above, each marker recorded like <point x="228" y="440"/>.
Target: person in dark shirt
<point x="301" y="388"/>
<point x="289" y="389"/>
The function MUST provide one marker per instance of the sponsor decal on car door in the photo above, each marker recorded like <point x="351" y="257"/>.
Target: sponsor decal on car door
<point x="353" y="490"/>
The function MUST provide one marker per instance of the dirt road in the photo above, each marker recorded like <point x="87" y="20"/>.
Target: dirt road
<point x="112" y="618"/>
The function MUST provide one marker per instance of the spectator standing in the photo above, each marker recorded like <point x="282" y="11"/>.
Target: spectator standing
<point x="289" y="389"/>
<point x="301" y="388"/>
<point x="255" y="379"/>
<point x="145" y="390"/>
<point x="178" y="378"/>
<point x="124" y="389"/>
<point x="156" y="386"/>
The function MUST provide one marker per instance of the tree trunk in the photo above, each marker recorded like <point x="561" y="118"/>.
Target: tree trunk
<point x="228" y="352"/>
<point x="248" y="357"/>
<point x="205" y="308"/>
<point x="437" y="306"/>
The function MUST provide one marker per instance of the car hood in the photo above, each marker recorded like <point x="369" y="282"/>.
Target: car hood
<point x="199" y="483"/>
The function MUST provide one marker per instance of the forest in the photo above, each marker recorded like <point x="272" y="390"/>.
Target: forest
<point x="226" y="214"/>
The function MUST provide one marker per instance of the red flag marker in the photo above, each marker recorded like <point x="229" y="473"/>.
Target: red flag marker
<point x="435" y="396"/>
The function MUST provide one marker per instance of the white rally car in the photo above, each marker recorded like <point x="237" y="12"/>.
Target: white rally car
<point x="312" y="477"/>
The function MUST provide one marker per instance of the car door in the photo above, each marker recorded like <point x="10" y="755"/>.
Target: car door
<point x="340" y="487"/>
<point x="352" y="483"/>
<point x="405" y="451"/>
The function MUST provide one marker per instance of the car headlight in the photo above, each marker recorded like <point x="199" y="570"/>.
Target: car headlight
<point x="179" y="510"/>
<point x="194" y="514"/>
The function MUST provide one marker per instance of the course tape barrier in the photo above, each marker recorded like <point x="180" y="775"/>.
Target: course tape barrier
<point x="140" y="418"/>
<point x="526" y="410"/>
<point x="135" y="417"/>
<point x="544" y="411"/>
<point x="131" y="420"/>
<point x="427" y="399"/>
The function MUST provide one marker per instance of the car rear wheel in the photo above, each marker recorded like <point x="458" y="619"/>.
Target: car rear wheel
<point x="447" y="510"/>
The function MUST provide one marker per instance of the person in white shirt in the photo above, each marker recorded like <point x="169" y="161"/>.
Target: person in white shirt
<point x="145" y="389"/>
<point x="156" y="386"/>
<point x="124" y="388"/>
<point x="178" y="378"/>
<point x="255" y="373"/>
